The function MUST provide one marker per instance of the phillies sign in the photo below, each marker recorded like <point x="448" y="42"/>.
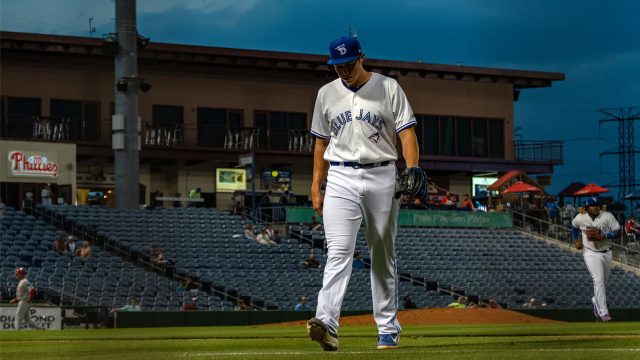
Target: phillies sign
<point x="32" y="164"/>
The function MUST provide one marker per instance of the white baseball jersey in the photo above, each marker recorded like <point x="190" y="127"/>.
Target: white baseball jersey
<point x="362" y="125"/>
<point x="22" y="291"/>
<point x="605" y="222"/>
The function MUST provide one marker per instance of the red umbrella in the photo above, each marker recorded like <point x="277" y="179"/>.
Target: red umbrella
<point x="521" y="187"/>
<point x="591" y="189"/>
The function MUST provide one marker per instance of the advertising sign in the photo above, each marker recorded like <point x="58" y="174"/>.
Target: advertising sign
<point x="33" y="164"/>
<point x="230" y="180"/>
<point x="276" y="180"/>
<point x="49" y="318"/>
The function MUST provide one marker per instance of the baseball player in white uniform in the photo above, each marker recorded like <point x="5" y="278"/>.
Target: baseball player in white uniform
<point x="597" y="228"/>
<point x="355" y="122"/>
<point x="23" y="299"/>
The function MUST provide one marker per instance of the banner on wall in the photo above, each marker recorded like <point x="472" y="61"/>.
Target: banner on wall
<point x="33" y="164"/>
<point x="230" y="180"/>
<point x="49" y="318"/>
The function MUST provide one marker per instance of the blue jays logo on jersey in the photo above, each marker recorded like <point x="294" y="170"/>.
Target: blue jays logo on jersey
<point x="343" y="118"/>
<point x="375" y="137"/>
<point x="376" y="122"/>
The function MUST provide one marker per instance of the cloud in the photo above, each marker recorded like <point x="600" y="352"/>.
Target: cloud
<point x="71" y="17"/>
<point x="204" y="6"/>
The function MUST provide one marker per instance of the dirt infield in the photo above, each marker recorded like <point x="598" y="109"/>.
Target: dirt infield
<point x="448" y="317"/>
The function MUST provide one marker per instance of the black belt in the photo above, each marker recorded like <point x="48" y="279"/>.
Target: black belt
<point x="356" y="165"/>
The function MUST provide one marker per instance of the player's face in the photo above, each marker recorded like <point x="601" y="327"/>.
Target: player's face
<point x="593" y="210"/>
<point x="350" y="72"/>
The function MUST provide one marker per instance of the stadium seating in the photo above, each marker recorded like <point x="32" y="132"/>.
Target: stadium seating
<point x="102" y="279"/>
<point x="209" y="246"/>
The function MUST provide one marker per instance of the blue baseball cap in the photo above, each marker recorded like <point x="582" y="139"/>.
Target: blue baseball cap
<point x="593" y="201"/>
<point x="343" y="50"/>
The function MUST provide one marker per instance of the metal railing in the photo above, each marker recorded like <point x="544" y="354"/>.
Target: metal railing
<point x="540" y="151"/>
<point x="163" y="135"/>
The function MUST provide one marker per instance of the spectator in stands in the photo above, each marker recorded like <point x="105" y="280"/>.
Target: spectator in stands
<point x="248" y="233"/>
<point x="133" y="305"/>
<point x="285" y="198"/>
<point x="263" y="238"/>
<point x="237" y="208"/>
<point x="568" y="214"/>
<point x="631" y="227"/>
<point x="303" y="305"/>
<point x="358" y="263"/>
<point x="59" y="245"/>
<point x="315" y="224"/>
<point x="553" y="210"/>
<point x="85" y="250"/>
<point x="310" y="262"/>
<point x="70" y="244"/>
<point x="266" y="198"/>
<point x="45" y="195"/>
<point x="154" y="198"/>
<point x="493" y="304"/>
<point x="460" y="303"/>
<point x="446" y="200"/>
<point x="192" y="305"/>
<point x="272" y="233"/>
<point x="242" y="305"/>
<point x="27" y="203"/>
<point x="404" y="201"/>
<point x="195" y="194"/>
<point x="467" y="204"/>
<point x="408" y="303"/>
<point x="532" y="303"/>
<point x="472" y="304"/>
<point x="156" y="256"/>
<point x="177" y="204"/>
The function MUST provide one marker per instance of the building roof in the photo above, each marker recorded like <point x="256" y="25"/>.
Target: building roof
<point x="98" y="47"/>
<point x="503" y="181"/>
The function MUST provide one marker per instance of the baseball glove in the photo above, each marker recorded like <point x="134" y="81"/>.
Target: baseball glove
<point x="594" y="234"/>
<point x="412" y="181"/>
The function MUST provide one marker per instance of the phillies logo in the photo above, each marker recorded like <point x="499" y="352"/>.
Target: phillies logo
<point x="342" y="49"/>
<point x="32" y="165"/>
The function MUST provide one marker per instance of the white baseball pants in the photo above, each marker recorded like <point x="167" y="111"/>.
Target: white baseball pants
<point x="599" y="265"/>
<point x="354" y="195"/>
<point x="23" y="316"/>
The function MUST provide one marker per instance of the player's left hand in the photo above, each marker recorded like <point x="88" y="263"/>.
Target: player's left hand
<point x="594" y="234"/>
<point x="13" y="301"/>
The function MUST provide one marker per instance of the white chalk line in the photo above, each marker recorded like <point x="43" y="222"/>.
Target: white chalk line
<point x="400" y="352"/>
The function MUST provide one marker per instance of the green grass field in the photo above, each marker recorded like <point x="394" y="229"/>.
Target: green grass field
<point x="582" y="341"/>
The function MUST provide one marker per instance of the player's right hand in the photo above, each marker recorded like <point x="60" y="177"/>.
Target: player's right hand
<point x="13" y="301"/>
<point x="317" y="198"/>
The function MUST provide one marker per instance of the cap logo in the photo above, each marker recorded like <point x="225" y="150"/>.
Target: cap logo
<point x="342" y="49"/>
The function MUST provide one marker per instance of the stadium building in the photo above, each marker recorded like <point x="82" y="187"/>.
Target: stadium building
<point x="203" y="109"/>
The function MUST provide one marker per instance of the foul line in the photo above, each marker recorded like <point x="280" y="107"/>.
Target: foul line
<point x="400" y="352"/>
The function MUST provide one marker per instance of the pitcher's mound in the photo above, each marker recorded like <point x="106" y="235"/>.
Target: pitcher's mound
<point x="446" y="317"/>
<point x="452" y="317"/>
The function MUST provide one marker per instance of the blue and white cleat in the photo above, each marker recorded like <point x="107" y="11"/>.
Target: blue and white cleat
<point x="320" y="333"/>
<point x="388" y="341"/>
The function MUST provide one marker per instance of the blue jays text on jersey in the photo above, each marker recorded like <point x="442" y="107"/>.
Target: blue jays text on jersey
<point x="345" y="117"/>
